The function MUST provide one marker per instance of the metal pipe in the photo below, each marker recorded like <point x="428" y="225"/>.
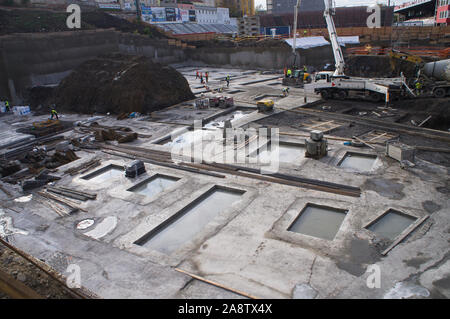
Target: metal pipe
<point x="295" y="25"/>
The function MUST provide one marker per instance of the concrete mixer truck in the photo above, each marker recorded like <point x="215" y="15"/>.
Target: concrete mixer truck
<point x="435" y="78"/>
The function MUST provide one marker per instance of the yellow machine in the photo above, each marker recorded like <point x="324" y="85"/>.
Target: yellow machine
<point x="46" y="124"/>
<point x="298" y="79"/>
<point x="265" y="105"/>
<point x="394" y="54"/>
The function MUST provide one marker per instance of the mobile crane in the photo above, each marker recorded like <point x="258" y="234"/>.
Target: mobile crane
<point x="339" y="86"/>
<point x="299" y="76"/>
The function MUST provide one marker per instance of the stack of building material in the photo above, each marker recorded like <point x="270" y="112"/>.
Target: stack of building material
<point x="248" y="26"/>
<point x="72" y="193"/>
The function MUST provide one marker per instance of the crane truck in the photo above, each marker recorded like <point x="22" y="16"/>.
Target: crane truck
<point x="299" y="76"/>
<point x="339" y="86"/>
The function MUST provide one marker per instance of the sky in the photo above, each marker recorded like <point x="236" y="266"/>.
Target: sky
<point x="343" y="3"/>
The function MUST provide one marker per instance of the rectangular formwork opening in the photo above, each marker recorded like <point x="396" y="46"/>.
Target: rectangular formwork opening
<point x="318" y="221"/>
<point x="105" y="174"/>
<point x="287" y="152"/>
<point x="186" y="223"/>
<point x="154" y="185"/>
<point x="391" y="224"/>
<point x="358" y="161"/>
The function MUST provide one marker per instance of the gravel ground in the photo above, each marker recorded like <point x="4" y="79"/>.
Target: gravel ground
<point x="19" y="268"/>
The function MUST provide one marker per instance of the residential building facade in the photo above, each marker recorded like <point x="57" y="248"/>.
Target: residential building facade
<point x="287" y="6"/>
<point x="443" y="12"/>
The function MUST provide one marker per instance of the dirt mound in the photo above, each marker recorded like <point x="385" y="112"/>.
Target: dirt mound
<point x="39" y="98"/>
<point x="31" y="20"/>
<point x="437" y="108"/>
<point x="259" y="43"/>
<point x="120" y="83"/>
<point x="377" y="66"/>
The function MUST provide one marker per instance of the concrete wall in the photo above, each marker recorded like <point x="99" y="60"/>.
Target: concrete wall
<point x="158" y="50"/>
<point x="28" y="60"/>
<point x="261" y="58"/>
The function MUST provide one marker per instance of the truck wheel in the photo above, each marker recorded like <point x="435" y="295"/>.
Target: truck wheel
<point x="376" y="97"/>
<point x="439" y="92"/>
<point x="325" y="94"/>
<point x="340" y="94"/>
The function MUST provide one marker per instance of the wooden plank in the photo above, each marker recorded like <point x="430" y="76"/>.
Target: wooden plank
<point x="364" y="142"/>
<point x="377" y="137"/>
<point x="307" y="135"/>
<point x="216" y="284"/>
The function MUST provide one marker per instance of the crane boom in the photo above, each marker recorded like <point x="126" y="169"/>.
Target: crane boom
<point x="337" y="51"/>
<point x="295" y="25"/>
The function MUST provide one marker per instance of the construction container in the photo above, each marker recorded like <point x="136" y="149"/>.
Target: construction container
<point x="400" y="152"/>
<point x="134" y="169"/>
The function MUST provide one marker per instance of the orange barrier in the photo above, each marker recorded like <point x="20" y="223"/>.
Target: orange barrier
<point x="419" y="51"/>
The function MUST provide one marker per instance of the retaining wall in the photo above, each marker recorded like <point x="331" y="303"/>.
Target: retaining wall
<point x="33" y="59"/>
<point x="261" y="58"/>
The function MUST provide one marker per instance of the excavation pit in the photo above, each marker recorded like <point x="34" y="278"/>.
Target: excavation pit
<point x="105" y="174"/>
<point x="357" y="161"/>
<point x="318" y="221"/>
<point x="391" y="224"/>
<point x="185" y="224"/>
<point x="154" y="185"/>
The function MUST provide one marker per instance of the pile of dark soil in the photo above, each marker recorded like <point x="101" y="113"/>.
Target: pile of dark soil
<point x="264" y="43"/>
<point x="437" y="108"/>
<point x="120" y="83"/>
<point x="261" y="43"/>
<point x="31" y="20"/>
<point x="377" y="66"/>
<point x="39" y="98"/>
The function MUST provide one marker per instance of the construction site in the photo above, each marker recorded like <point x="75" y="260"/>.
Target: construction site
<point x="139" y="161"/>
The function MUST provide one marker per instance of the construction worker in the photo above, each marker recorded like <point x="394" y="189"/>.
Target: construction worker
<point x="206" y="76"/>
<point x="305" y="33"/>
<point x="418" y="87"/>
<point x="305" y="69"/>
<point x="228" y="80"/>
<point x="289" y="73"/>
<point x="54" y="113"/>
<point x="285" y="91"/>
<point x="196" y="75"/>
<point x="7" y="109"/>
